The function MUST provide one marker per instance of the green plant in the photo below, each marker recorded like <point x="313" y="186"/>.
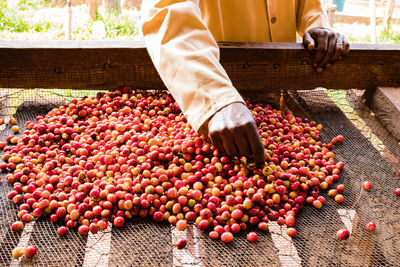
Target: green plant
<point x="42" y="26"/>
<point x="17" y="21"/>
<point x="363" y="39"/>
<point x="10" y="22"/>
<point x="117" y="25"/>
<point x="32" y="4"/>
<point x="390" y="36"/>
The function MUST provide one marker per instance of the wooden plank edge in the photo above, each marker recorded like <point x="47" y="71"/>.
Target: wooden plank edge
<point x="385" y="104"/>
<point x="90" y="44"/>
<point x="347" y="18"/>
<point x="251" y="66"/>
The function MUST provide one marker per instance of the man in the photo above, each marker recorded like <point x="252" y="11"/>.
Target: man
<point x="181" y="38"/>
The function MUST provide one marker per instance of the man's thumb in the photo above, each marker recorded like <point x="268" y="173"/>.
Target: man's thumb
<point x="308" y="41"/>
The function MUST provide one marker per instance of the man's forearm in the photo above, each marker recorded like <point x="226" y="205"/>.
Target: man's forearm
<point x="187" y="59"/>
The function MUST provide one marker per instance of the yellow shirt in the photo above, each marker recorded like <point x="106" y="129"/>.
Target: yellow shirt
<point x="181" y="37"/>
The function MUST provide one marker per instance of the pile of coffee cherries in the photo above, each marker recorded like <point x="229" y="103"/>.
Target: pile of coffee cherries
<point x="128" y="153"/>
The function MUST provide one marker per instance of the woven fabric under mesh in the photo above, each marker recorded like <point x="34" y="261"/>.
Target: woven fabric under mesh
<point x="145" y="243"/>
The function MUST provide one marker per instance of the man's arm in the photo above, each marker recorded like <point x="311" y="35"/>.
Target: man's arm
<point x="187" y="58"/>
<point x="313" y="26"/>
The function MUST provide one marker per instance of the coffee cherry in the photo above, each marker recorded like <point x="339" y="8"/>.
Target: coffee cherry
<point x="17" y="252"/>
<point x="291" y="232"/>
<point x="339" y="198"/>
<point x="16" y="226"/>
<point x="397" y="191"/>
<point x="61" y="231"/>
<point x="227" y="237"/>
<point x="252" y="237"/>
<point x="370" y="226"/>
<point x="343" y="234"/>
<point x="180" y="243"/>
<point x="13" y="121"/>
<point x="131" y="153"/>
<point x="29" y="251"/>
<point x="366" y="185"/>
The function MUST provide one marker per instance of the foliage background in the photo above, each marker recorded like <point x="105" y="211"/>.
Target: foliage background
<point x="39" y="20"/>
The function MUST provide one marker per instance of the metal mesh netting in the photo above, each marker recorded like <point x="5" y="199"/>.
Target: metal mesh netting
<point x="363" y="162"/>
<point x="369" y="152"/>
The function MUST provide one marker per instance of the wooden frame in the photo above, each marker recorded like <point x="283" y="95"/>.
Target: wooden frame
<point x="251" y="66"/>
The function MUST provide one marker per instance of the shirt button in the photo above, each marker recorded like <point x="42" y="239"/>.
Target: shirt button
<point x="273" y="20"/>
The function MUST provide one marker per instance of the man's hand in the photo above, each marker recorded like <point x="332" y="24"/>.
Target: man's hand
<point x="233" y="130"/>
<point x="331" y="46"/>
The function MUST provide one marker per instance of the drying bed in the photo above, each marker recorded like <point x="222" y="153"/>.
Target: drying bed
<point x="369" y="153"/>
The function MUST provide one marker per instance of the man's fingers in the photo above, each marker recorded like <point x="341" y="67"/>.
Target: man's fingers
<point x="330" y="51"/>
<point x="346" y="46"/>
<point x="229" y="144"/>
<point x="321" y="50"/>
<point x="217" y="142"/>
<point x="256" y="145"/>
<point x="331" y="46"/>
<point x="308" y="41"/>
<point x="338" y="50"/>
<point x="242" y="144"/>
<point x="233" y="130"/>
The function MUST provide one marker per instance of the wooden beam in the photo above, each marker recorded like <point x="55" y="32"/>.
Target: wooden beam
<point x="385" y="103"/>
<point x="251" y="66"/>
<point x="348" y="18"/>
<point x="365" y="3"/>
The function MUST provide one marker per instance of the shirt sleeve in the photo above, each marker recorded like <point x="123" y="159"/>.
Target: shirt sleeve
<point x="311" y="14"/>
<point x="186" y="56"/>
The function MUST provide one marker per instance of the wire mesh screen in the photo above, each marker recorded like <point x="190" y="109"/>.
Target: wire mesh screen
<point x="369" y="152"/>
<point x="364" y="161"/>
